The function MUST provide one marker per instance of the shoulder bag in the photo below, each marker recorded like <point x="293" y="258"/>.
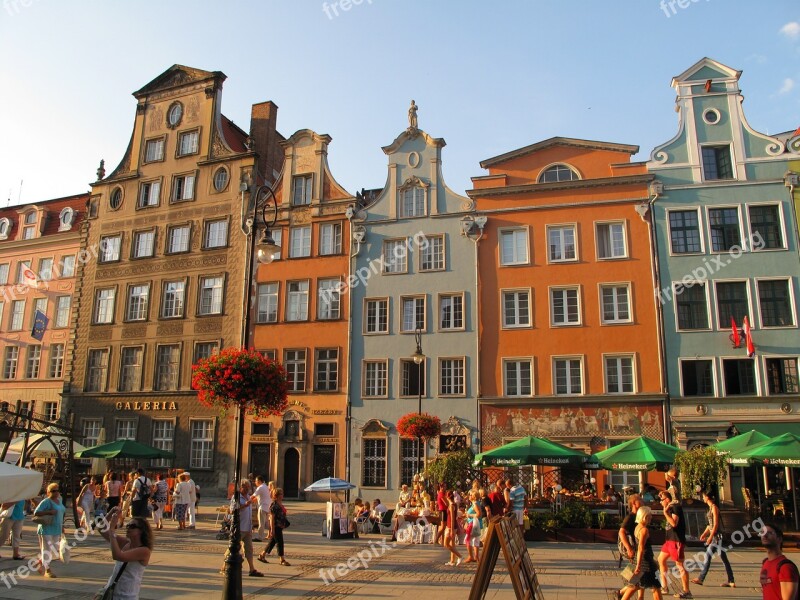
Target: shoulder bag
<point x="629" y="576"/>
<point x="107" y="593"/>
<point x="42" y="519"/>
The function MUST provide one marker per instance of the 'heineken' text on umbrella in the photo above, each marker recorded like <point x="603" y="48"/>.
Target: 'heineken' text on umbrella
<point x="531" y="451"/>
<point x="124" y="449"/>
<point x="638" y="454"/>
<point x="738" y="443"/>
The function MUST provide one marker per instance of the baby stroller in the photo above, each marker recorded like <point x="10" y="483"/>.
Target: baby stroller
<point x="224" y="532"/>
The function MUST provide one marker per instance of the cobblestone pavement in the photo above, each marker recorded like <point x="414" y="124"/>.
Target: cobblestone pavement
<point x="186" y="565"/>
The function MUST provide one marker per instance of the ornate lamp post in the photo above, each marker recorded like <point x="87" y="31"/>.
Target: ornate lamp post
<point x="419" y="359"/>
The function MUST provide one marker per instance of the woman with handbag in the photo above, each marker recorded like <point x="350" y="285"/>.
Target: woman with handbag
<point x="712" y="536"/>
<point x="277" y="523"/>
<point x="132" y="554"/>
<point x="160" y="489"/>
<point x="49" y="515"/>
<point x="473" y="516"/>
<point x="642" y="573"/>
<point x="182" y="498"/>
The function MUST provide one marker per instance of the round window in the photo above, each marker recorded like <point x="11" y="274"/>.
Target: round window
<point x="174" y="114"/>
<point x="711" y="116"/>
<point x="220" y="179"/>
<point x="116" y="199"/>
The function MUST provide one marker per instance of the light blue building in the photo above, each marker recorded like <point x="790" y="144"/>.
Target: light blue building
<point x="727" y="252"/>
<point x="413" y="286"/>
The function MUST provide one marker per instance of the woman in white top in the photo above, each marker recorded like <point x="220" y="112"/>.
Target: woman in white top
<point x="182" y="499"/>
<point x="131" y="553"/>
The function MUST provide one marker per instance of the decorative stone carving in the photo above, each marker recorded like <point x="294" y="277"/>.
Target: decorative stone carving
<point x="156" y="118"/>
<point x="208" y="326"/>
<point x="453" y="426"/>
<point x="96" y="335"/>
<point x="169" y="329"/>
<point x="219" y="147"/>
<point x="177" y="265"/>
<point x="374" y="428"/>
<point x="300" y="216"/>
<point x="101" y="170"/>
<point x="192" y="112"/>
<point x="134" y="331"/>
<point x="412" y="116"/>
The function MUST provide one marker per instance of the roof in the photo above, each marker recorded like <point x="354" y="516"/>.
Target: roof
<point x="178" y="76"/>
<point x="558" y="141"/>
<point x="53" y="208"/>
<point x="234" y="135"/>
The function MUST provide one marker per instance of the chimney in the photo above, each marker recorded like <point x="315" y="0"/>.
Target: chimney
<point x="263" y="120"/>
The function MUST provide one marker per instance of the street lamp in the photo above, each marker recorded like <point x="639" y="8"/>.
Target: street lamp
<point x="264" y="252"/>
<point x="419" y="359"/>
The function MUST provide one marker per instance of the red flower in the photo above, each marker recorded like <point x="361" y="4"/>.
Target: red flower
<point x="416" y="425"/>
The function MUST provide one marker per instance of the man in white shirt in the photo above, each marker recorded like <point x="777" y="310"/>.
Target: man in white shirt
<point x="263" y="494"/>
<point x="192" y="501"/>
<point x="142" y="492"/>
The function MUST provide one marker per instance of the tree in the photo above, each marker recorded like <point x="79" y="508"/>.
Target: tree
<point x="701" y="466"/>
<point x="453" y="468"/>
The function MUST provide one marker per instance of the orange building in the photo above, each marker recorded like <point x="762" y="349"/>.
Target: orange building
<point x="569" y="332"/>
<point x="301" y="319"/>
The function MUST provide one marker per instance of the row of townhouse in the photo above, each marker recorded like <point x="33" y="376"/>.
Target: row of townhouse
<point x="571" y="293"/>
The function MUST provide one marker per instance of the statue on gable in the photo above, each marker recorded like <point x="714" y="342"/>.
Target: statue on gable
<point x="101" y="170"/>
<point x="412" y="116"/>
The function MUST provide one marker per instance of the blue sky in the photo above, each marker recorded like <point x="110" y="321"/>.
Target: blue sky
<point x="488" y="77"/>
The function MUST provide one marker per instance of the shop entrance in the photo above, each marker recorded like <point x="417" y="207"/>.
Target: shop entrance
<point x="291" y="473"/>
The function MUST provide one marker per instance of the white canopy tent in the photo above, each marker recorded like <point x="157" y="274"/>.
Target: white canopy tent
<point x="17" y="483"/>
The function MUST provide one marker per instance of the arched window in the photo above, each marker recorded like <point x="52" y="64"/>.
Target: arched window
<point x="65" y="219"/>
<point x="558" y="172"/>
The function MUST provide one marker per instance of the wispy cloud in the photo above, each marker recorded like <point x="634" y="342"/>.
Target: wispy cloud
<point x="791" y="30"/>
<point x="788" y="86"/>
<point x="757" y="58"/>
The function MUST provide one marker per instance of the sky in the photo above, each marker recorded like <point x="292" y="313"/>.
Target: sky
<point x="488" y="77"/>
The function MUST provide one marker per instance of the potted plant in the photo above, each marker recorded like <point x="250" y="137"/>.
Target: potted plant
<point x="700" y="466"/>
<point x="575" y="523"/>
<point x="419" y="425"/>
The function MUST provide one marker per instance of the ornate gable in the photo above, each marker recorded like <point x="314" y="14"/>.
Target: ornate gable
<point x="178" y="76"/>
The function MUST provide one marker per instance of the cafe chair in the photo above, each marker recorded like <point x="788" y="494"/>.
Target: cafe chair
<point x="363" y="524"/>
<point x="386" y="525"/>
<point x="778" y="507"/>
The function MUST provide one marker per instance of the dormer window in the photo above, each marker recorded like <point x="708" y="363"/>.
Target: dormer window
<point x="411" y="198"/>
<point x="556" y="173"/>
<point x="65" y="219"/>
<point x="717" y="162"/>
<point x="5" y="228"/>
<point x="29" y="226"/>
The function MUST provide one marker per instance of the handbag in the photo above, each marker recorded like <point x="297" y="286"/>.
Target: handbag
<point x="107" y="593"/>
<point x="631" y="577"/>
<point x="43" y="519"/>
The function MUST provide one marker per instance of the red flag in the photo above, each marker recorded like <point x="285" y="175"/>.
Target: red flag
<point x="751" y="349"/>
<point x="735" y="338"/>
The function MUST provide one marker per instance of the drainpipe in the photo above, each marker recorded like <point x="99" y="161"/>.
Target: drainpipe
<point x="480" y="222"/>
<point x="357" y="234"/>
<point x="791" y="181"/>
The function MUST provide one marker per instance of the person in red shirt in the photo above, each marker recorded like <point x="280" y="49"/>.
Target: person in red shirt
<point x="779" y="575"/>
<point x="497" y="499"/>
<point x="441" y="507"/>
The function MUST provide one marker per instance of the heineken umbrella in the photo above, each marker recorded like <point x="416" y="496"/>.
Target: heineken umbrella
<point x="638" y="454"/>
<point x="738" y="443"/>
<point x="124" y="449"/>
<point x="780" y="451"/>
<point x="531" y="451"/>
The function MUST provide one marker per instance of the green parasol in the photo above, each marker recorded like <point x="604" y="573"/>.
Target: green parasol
<point x="124" y="449"/>
<point x="531" y="451"/>
<point x="738" y="443"/>
<point x="638" y="454"/>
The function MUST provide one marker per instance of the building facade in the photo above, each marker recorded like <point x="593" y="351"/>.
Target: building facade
<point x="412" y="286"/>
<point x="39" y="249"/>
<point x="569" y="337"/>
<point x="301" y="318"/>
<point x="165" y="282"/>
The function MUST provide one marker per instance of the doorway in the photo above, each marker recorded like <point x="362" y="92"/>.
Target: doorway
<point x="260" y="460"/>
<point x="291" y="473"/>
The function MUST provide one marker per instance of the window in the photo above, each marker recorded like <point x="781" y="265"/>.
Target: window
<point x="46" y="269"/>
<point x="56" y="368"/>
<point x="216" y="234"/>
<point x="561" y="243"/>
<point x="220" y="179"/>
<point x="564" y="306"/>
<point x="411" y="459"/>
<point x="451" y="377"/>
<point x="29" y="226"/>
<point x="65" y="219"/>
<point x="330" y="239"/>
<point x="154" y="150"/>
<point x="33" y="362"/>
<point x="373" y="466"/>
<point x="775" y="303"/>
<point x="568" y="376"/>
<point x="25" y="407"/>
<point x="270" y="354"/>
<point x="4" y="274"/>
<point x="514" y="247"/>
<point x="183" y="188"/>
<point x="412" y="378"/>
<point x="39" y="304"/>
<point x="558" y="173"/>
<point x="178" y="239"/>
<point x="130" y="370"/>
<point x="138" y="296"/>
<point x="717" y="163"/>
<point x="412" y="202"/>
<point x="163" y="439"/>
<point x="24" y="273"/>
<point x="765" y="226"/>
<point x="110" y="248"/>
<point x="516" y="308"/>
<point x="323" y="429"/>
<point x="517" y="377"/>
<point x="297" y="301"/>
<point x="300" y="241"/>
<point x="697" y="377"/>
<point x="63" y="305"/>
<point x="188" y="143"/>
<point x="327" y="370"/>
<point x="295" y="363"/>
<point x="91" y="432"/>
<point x="451" y="311"/>
<point x="267" y="311"/>
<point x="202" y="446"/>
<point x="740" y="376"/>
<point x="432" y="253"/>
<point x="724" y="225"/>
<point x="143" y="244"/>
<point x="10" y="362"/>
<point x="115" y="200"/>
<point x="174" y="114"/>
<point x="149" y="194"/>
<point x="125" y="429"/>
<point x="324" y="460"/>
<point x="203" y="350"/>
<point x="413" y="313"/>
<point x="2" y="311"/>
<point x="611" y="240"/>
<point x="17" y="314"/>
<point x="104" y="306"/>
<point x="684" y="230"/>
<point x="211" y="289"/>
<point x="782" y="376"/>
<point x="277" y="234"/>
<point x="376" y="316"/>
<point x="50" y="410"/>
<point x="328" y="301"/>
<point x="619" y="374"/>
<point x="375" y="378"/>
<point x="301" y="190"/>
<point x="691" y="305"/>
<point x="168" y="359"/>
<point x="616" y="304"/>
<point x="97" y="370"/>
<point x="68" y="266"/>
<point x="395" y="256"/>
<point x="731" y="302"/>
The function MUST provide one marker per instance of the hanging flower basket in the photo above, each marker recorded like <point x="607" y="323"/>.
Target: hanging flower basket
<point x="241" y="378"/>
<point x="416" y="425"/>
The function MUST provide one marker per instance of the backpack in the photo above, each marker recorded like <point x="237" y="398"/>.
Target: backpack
<point x="785" y="561"/>
<point x="144" y="489"/>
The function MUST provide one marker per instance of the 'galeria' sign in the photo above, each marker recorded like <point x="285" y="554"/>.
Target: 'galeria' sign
<point x="152" y="406"/>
